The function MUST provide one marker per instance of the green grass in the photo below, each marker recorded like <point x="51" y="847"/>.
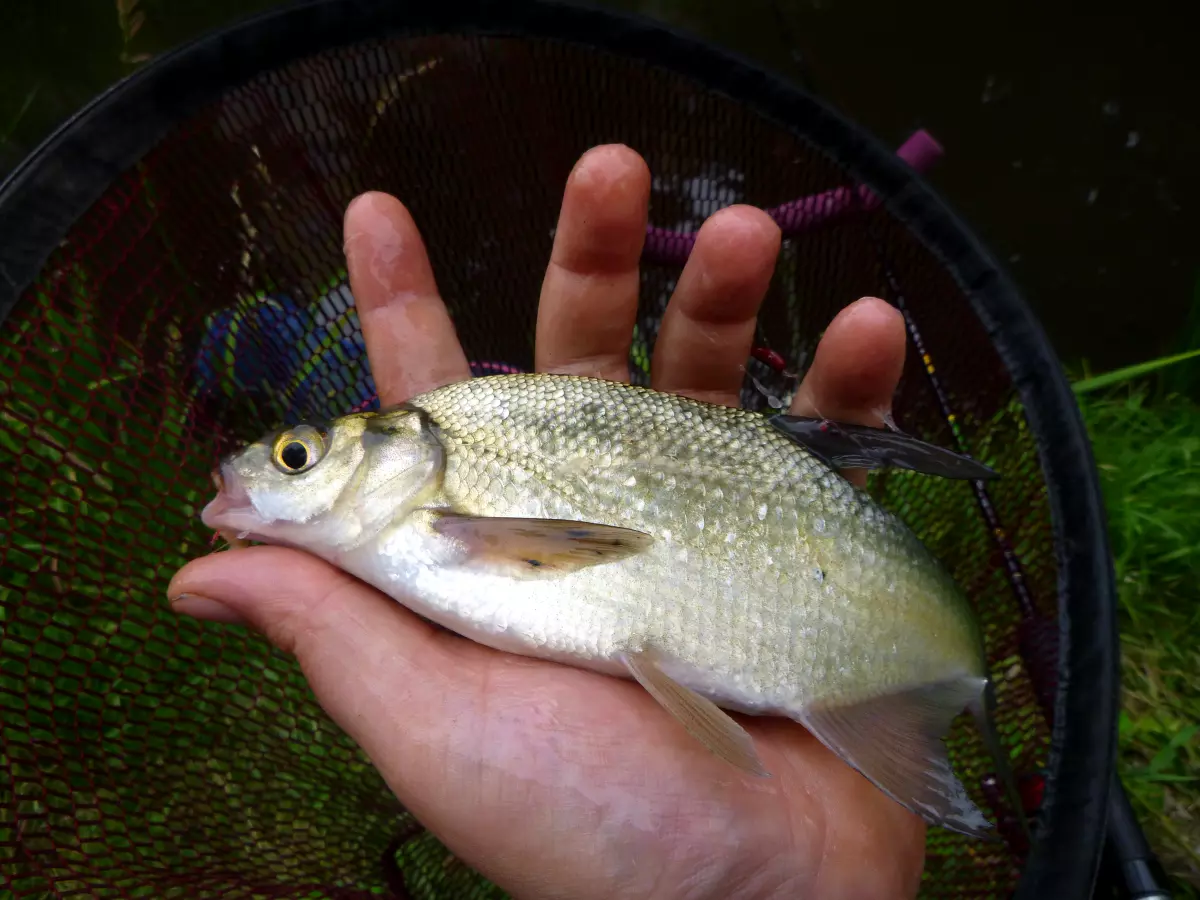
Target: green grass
<point x="1147" y="448"/>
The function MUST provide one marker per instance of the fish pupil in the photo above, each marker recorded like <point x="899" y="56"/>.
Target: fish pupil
<point x="294" y="455"/>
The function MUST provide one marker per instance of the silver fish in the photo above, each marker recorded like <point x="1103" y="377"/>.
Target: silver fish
<point x="712" y="554"/>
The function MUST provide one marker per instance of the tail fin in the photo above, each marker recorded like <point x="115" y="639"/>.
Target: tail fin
<point x="983" y="709"/>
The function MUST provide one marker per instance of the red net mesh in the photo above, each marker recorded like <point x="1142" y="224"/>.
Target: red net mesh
<point x="203" y="298"/>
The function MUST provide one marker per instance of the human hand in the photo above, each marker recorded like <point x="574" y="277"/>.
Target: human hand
<point x="553" y="781"/>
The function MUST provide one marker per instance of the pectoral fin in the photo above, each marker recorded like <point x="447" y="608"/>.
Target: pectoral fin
<point x="545" y="546"/>
<point x="858" y="446"/>
<point x="895" y="740"/>
<point x="702" y="718"/>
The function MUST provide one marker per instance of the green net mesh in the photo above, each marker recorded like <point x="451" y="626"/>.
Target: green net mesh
<point x="203" y="299"/>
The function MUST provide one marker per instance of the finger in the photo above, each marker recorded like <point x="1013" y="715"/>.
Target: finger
<point x="410" y="338"/>
<point x="856" y="369"/>
<point x="390" y="680"/>
<point x="708" y="328"/>
<point x="589" y="296"/>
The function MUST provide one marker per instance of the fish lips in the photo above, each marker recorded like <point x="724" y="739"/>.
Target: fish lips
<point x="231" y="510"/>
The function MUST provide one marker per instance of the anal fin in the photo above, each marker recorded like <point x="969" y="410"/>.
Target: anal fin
<point x="702" y="718"/>
<point x="896" y="741"/>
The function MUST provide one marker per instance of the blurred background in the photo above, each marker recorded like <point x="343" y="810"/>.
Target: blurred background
<point x="1072" y="144"/>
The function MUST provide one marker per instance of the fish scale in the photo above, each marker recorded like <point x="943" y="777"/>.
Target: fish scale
<point x="703" y="550"/>
<point x="787" y="511"/>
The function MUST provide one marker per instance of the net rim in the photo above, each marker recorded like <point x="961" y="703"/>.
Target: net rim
<point x="56" y="184"/>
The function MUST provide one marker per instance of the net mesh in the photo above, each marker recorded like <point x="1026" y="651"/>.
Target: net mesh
<point x="203" y="299"/>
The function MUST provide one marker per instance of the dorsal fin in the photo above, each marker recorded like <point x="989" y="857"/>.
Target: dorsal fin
<point x="847" y="446"/>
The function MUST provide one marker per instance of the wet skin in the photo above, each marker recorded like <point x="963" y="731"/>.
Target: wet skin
<point x="551" y="781"/>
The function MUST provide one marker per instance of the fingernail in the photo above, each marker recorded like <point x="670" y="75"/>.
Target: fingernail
<point x="204" y="608"/>
<point x="361" y="198"/>
<point x="350" y="238"/>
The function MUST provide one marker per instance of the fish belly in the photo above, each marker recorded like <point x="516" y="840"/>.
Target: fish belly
<point x="755" y="635"/>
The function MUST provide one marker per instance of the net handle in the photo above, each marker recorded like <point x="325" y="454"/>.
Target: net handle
<point x="921" y="151"/>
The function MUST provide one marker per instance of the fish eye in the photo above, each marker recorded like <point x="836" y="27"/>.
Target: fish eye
<point x="298" y="450"/>
<point x="294" y="455"/>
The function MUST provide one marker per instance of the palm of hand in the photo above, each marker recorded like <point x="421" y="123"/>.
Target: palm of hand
<point x="553" y="781"/>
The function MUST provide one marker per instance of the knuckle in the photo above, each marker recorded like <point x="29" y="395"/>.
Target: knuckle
<point x="305" y="618"/>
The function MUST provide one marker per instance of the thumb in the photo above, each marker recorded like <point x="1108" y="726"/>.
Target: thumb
<point x="390" y="680"/>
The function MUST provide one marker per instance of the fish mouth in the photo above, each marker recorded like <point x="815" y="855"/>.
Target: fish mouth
<point x="231" y="510"/>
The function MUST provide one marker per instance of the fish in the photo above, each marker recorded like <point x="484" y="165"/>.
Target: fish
<point x="715" y="555"/>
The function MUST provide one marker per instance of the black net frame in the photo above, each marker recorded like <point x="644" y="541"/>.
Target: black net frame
<point x="46" y="203"/>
